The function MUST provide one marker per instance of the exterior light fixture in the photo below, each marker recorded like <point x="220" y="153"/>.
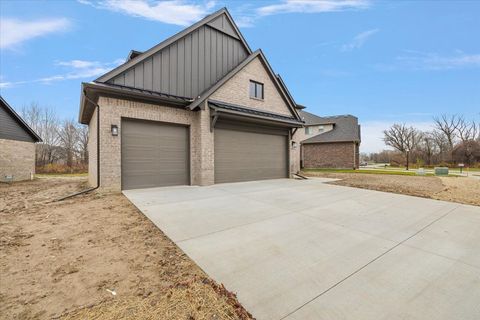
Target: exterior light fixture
<point x="294" y="145"/>
<point x="114" y="130"/>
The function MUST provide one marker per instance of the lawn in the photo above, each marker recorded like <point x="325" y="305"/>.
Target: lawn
<point x="367" y="171"/>
<point x="95" y="256"/>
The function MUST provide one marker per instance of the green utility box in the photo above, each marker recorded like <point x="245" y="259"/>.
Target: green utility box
<point x="441" y="171"/>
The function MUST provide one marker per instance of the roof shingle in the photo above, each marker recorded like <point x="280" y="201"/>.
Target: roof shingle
<point x="345" y="128"/>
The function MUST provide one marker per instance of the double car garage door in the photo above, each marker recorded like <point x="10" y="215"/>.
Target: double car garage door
<point x="156" y="154"/>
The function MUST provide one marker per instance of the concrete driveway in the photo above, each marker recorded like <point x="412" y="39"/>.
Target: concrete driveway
<point x="295" y="249"/>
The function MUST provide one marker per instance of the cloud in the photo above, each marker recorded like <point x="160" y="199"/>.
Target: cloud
<point x="359" y="40"/>
<point x="13" y="31"/>
<point x="177" y="12"/>
<point x="312" y="6"/>
<point x="372" y="133"/>
<point x="432" y="61"/>
<point x="77" y="69"/>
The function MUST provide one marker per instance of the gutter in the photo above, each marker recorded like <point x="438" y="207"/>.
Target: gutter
<point x="98" y="153"/>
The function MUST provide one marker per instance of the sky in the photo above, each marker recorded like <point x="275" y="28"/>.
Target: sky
<point x="382" y="61"/>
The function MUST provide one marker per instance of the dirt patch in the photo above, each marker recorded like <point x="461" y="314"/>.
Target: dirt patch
<point x="463" y="190"/>
<point x="95" y="257"/>
<point x="456" y="189"/>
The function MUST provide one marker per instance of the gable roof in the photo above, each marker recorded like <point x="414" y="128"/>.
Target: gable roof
<point x="19" y="120"/>
<point x="258" y="53"/>
<point x="312" y="119"/>
<point x="345" y="128"/>
<point x="133" y="54"/>
<point x="210" y="19"/>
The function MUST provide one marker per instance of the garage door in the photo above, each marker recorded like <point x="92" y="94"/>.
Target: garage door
<point x="248" y="152"/>
<point x="154" y="154"/>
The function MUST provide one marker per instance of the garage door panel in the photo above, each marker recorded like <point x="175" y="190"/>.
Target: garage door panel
<point x="246" y="155"/>
<point x="154" y="154"/>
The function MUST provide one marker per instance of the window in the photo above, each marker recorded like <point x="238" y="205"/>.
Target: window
<point x="321" y="129"/>
<point x="256" y="90"/>
<point x="308" y="130"/>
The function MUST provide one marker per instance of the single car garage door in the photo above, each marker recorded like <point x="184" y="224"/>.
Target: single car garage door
<point x="154" y="154"/>
<point x="246" y="152"/>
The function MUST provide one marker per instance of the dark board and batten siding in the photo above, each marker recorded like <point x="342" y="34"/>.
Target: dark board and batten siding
<point x="190" y="65"/>
<point x="10" y="129"/>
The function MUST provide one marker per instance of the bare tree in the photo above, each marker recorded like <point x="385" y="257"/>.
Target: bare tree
<point x="68" y="137"/>
<point x="428" y="146"/>
<point x="83" y="143"/>
<point x="44" y="122"/>
<point x="402" y="138"/>
<point x="32" y="114"/>
<point x="468" y="132"/>
<point x="448" y="125"/>
<point x="441" y="143"/>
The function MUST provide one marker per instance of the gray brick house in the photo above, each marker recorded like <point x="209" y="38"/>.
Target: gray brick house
<point x="328" y="142"/>
<point x="17" y="146"/>
<point x="199" y="108"/>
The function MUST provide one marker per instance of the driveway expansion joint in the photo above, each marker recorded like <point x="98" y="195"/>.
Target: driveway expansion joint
<point x="370" y="262"/>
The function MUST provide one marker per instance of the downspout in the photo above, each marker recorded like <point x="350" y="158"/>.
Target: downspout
<point x="98" y="153"/>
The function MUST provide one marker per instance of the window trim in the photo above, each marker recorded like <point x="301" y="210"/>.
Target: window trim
<point x="256" y="85"/>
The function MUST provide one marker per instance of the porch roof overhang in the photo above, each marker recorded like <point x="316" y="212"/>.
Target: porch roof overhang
<point x="91" y="91"/>
<point x="235" y="112"/>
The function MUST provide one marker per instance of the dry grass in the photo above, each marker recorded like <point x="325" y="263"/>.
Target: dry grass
<point x="456" y="189"/>
<point x="199" y="299"/>
<point x="63" y="259"/>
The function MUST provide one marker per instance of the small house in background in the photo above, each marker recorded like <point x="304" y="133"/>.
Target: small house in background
<point x="328" y="142"/>
<point x="17" y="146"/>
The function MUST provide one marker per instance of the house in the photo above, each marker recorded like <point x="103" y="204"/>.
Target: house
<point x="17" y="146"/>
<point x="328" y="142"/>
<point x="199" y="108"/>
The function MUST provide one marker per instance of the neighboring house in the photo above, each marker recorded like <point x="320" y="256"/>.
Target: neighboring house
<point x="328" y="142"/>
<point x="17" y="146"/>
<point x="197" y="109"/>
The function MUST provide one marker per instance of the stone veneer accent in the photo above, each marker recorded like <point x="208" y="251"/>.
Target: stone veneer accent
<point x="237" y="90"/>
<point x="330" y="155"/>
<point x="17" y="158"/>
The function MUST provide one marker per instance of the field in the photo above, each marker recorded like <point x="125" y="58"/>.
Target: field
<point x="95" y="257"/>
<point x="457" y="189"/>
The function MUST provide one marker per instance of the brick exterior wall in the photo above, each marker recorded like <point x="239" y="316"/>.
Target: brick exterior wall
<point x="111" y="112"/>
<point x="357" y="155"/>
<point x="330" y="155"/>
<point x="297" y="138"/>
<point x="17" y="158"/>
<point x="237" y="90"/>
<point x="202" y="153"/>
<point x="92" y="150"/>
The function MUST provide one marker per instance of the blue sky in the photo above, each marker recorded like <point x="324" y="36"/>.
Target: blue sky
<point x="383" y="61"/>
